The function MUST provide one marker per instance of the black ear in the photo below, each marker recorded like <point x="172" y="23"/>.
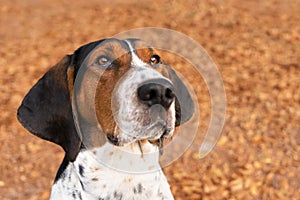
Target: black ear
<point x="46" y="110"/>
<point x="184" y="104"/>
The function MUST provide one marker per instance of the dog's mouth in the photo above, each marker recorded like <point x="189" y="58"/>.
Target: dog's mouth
<point x="155" y="130"/>
<point x="152" y="124"/>
<point x="115" y="140"/>
<point x="157" y="140"/>
<point x="153" y="133"/>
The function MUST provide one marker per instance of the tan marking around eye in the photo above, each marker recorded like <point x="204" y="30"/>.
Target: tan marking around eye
<point x="143" y="51"/>
<point x="107" y="84"/>
<point x="113" y="50"/>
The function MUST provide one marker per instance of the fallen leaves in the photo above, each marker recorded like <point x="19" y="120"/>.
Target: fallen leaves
<point x="256" y="47"/>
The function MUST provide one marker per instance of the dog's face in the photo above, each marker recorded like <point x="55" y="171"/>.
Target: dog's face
<point x="137" y="97"/>
<point x="134" y="98"/>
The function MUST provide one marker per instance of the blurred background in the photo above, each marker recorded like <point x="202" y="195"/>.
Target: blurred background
<point x="255" y="44"/>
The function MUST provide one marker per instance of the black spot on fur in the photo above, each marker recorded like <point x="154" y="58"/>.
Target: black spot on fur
<point x="82" y="186"/>
<point x="138" y="189"/>
<point x="161" y="195"/>
<point x="118" y="195"/>
<point x="76" y="195"/>
<point x="81" y="170"/>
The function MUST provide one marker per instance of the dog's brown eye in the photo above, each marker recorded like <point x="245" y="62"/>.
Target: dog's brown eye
<point x="102" y="60"/>
<point x="155" y="59"/>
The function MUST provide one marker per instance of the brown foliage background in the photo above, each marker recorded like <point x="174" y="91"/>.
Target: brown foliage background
<point x="256" y="45"/>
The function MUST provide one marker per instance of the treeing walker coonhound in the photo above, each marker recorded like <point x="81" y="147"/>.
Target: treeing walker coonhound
<point x="133" y="80"/>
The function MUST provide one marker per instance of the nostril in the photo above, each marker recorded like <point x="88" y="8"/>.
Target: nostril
<point x="147" y="93"/>
<point x="169" y="93"/>
<point x="153" y="94"/>
<point x="146" y="96"/>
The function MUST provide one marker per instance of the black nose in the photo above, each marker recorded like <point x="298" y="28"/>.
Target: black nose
<point x="156" y="91"/>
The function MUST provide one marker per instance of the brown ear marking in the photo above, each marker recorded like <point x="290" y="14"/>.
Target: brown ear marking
<point x="46" y="110"/>
<point x="71" y="80"/>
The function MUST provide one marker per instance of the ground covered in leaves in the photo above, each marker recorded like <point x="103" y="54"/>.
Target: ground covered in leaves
<point x="256" y="45"/>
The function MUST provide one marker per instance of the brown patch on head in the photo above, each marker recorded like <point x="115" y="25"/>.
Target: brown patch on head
<point x="120" y="63"/>
<point x="143" y="51"/>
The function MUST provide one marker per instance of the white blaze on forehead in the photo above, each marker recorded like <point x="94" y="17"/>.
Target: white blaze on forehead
<point x="132" y="117"/>
<point x="136" y="61"/>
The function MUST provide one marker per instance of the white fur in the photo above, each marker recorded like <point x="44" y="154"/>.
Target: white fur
<point x="132" y="117"/>
<point x="100" y="181"/>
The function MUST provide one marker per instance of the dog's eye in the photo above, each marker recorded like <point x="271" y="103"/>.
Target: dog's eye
<point x="102" y="60"/>
<point x="155" y="59"/>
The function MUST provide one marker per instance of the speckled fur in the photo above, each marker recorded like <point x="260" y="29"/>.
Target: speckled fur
<point x="87" y="178"/>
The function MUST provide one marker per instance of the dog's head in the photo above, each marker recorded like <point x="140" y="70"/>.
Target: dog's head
<point x="137" y="97"/>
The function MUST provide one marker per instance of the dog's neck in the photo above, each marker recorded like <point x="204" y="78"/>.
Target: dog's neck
<point x="112" y="172"/>
<point x="134" y="158"/>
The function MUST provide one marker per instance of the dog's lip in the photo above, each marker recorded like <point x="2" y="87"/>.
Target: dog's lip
<point x="156" y="130"/>
<point x="166" y="133"/>
<point x="112" y="139"/>
<point x="158" y="134"/>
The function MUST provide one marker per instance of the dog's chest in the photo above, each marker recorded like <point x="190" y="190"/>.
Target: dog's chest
<point x="86" y="179"/>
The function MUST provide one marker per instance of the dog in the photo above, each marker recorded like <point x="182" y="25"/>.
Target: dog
<point x="129" y="77"/>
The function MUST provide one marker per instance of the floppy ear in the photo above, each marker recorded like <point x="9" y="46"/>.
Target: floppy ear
<point x="46" y="110"/>
<point x="184" y="105"/>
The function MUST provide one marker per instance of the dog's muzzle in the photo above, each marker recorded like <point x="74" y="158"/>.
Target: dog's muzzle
<point x="153" y="112"/>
